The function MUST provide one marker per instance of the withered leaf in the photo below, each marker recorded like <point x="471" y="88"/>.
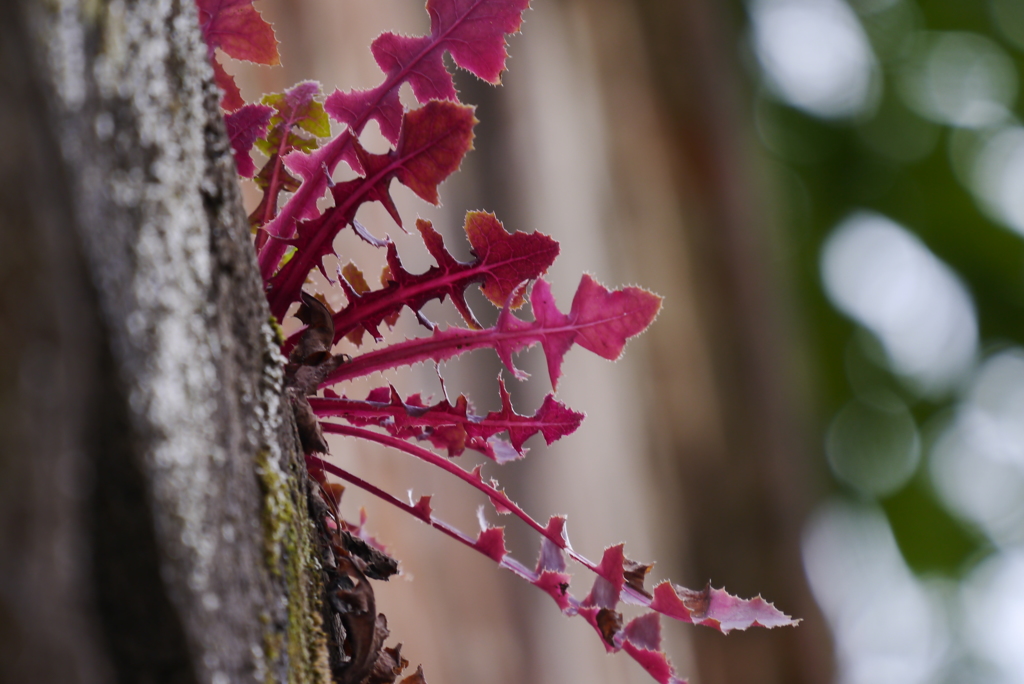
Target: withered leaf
<point x="332" y="494"/>
<point x="634" y="573"/>
<point x="378" y="565"/>
<point x="351" y="596"/>
<point x="314" y="345"/>
<point x="697" y="602"/>
<point x="309" y="363"/>
<point x="389" y="665"/>
<point x="610" y="624"/>
<point x="310" y="434"/>
<point x="416" y="677"/>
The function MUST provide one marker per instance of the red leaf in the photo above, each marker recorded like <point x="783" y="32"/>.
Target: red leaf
<point x="553" y="419"/>
<point x="434" y="140"/>
<point x="599" y="320"/>
<point x="504" y="262"/>
<point x="422" y="509"/>
<point x="641" y="638"/>
<point x="237" y="28"/>
<point x="385" y="408"/>
<point x="315" y="171"/>
<point x="453" y="426"/>
<point x="507" y="261"/>
<point x="556" y="584"/>
<point x="710" y="607"/>
<point x="232" y="99"/>
<point x="491" y="543"/>
<point x="472" y="31"/>
<point x="244" y="126"/>
<point x="295" y="110"/>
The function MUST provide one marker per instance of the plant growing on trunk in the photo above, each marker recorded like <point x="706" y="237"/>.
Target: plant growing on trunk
<point x="291" y="238"/>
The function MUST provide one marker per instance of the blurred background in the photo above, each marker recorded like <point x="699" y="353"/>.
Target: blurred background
<point x="829" y="411"/>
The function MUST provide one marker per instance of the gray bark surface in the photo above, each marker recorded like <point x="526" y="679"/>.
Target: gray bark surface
<point x="153" y="523"/>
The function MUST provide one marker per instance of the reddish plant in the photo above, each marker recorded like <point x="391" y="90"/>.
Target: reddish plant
<point x="428" y="144"/>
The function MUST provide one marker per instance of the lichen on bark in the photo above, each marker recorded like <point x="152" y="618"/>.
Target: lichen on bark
<point x="292" y="558"/>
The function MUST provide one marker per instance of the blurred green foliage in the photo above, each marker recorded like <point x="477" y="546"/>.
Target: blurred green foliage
<point x="895" y="162"/>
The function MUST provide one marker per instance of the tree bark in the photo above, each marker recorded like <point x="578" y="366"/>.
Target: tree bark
<point x="153" y="518"/>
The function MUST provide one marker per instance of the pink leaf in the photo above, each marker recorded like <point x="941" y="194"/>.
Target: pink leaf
<point x="556" y="584"/>
<point x="434" y="140"/>
<point x="422" y="509"/>
<point x="655" y="662"/>
<point x="641" y="637"/>
<point x="491" y="543"/>
<point x="599" y="320"/>
<point x="472" y="31"/>
<point x="645" y="631"/>
<point x="551" y="557"/>
<point x="244" y="126"/>
<point x="642" y="641"/>
<point x="238" y="29"/>
<point x="717" y="608"/>
<point x="553" y="419"/>
<point x="315" y="170"/>
<point x="232" y="99"/>
<point x="453" y="426"/>
<point x="504" y="262"/>
<point x="608" y="585"/>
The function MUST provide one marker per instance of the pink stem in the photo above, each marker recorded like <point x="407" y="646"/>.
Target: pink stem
<point x="445" y="464"/>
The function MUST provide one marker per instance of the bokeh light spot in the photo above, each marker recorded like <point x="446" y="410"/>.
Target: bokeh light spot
<point x="815" y="55"/>
<point x="993" y="604"/>
<point x="889" y="627"/>
<point x="977" y="464"/>
<point x="874" y="447"/>
<point x="886" y="279"/>
<point x="958" y="78"/>
<point x="997" y="176"/>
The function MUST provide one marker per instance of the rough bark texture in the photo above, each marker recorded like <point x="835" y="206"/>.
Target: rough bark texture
<point x="153" y="521"/>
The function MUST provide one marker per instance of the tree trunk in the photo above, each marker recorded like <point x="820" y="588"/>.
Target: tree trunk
<point x="153" y="520"/>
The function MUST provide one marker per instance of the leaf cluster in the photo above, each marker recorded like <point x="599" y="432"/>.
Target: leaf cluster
<point x="428" y="143"/>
